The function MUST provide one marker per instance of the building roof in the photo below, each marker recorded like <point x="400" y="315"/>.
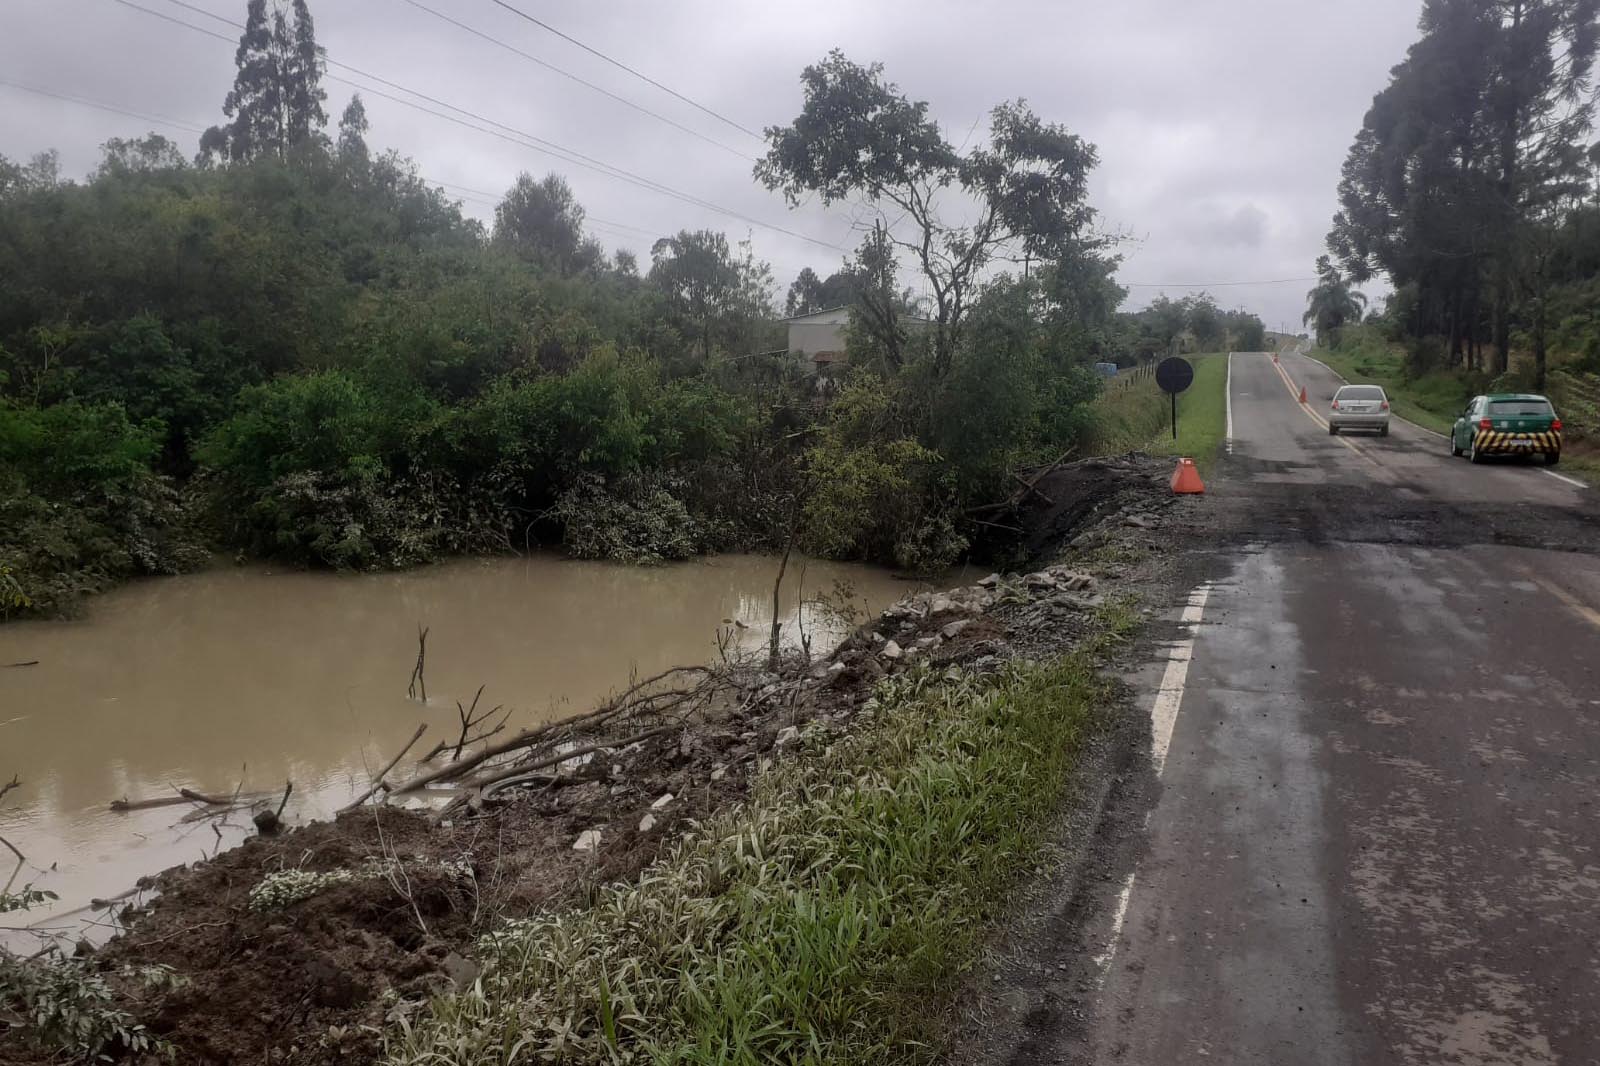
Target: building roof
<point x="814" y="314"/>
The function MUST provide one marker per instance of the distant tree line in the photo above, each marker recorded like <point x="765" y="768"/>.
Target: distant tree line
<point x="1473" y="186"/>
<point x="293" y="346"/>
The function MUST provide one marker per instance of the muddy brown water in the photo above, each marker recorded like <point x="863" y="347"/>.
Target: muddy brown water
<point x="248" y="677"/>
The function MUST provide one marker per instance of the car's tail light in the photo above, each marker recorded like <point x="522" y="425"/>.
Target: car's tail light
<point x="1485" y="424"/>
<point x="1336" y="405"/>
<point x="1555" y="427"/>
<point x="1384" y="406"/>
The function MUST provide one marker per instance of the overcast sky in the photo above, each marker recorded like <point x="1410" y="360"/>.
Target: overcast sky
<point x="1221" y="124"/>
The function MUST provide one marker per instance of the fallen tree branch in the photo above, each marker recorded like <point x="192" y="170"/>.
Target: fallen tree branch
<point x="479" y="789"/>
<point x="9" y="785"/>
<point x="377" y="782"/>
<point x="185" y="795"/>
<point x="30" y="662"/>
<point x="528" y="737"/>
<point x="561" y="757"/>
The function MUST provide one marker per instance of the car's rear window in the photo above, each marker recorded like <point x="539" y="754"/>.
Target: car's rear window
<point x="1520" y="409"/>
<point x="1361" y="392"/>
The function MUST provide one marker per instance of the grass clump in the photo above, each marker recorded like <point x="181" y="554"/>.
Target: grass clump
<point x="1137" y="416"/>
<point x="1202" y="414"/>
<point x="823" y="921"/>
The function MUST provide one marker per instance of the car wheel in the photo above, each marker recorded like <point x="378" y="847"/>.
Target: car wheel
<point x="1473" y="454"/>
<point x="1384" y="432"/>
<point x="1455" y="451"/>
<point x="1333" y="430"/>
<point x="1552" y="458"/>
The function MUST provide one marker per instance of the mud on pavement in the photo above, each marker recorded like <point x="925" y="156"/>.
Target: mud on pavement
<point x="297" y="947"/>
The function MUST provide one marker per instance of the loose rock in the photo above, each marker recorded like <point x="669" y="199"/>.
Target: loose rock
<point x="587" y="840"/>
<point x="891" y="651"/>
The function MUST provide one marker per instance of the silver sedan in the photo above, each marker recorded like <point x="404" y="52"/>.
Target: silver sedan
<point x="1359" y="407"/>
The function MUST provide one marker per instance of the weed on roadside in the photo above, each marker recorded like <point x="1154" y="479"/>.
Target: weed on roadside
<point x="825" y="920"/>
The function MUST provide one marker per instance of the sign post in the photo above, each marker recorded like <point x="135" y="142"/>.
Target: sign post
<point x="1173" y="376"/>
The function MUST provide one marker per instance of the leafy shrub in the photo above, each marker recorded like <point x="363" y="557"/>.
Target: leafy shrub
<point x="637" y="520"/>
<point x="80" y="506"/>
<point x="63" y="1008"/>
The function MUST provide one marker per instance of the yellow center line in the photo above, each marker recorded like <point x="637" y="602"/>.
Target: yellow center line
<point x="1568" y="600"/>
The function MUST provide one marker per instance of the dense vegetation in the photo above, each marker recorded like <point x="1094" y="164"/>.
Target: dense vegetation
<point x="295" y="347"/>
<point x="1474" y="187"/>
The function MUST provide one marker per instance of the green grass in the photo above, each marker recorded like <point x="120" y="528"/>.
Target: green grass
<point x="1202" y="415"/>
<point x="1138" y="416"/>
<point x="826" y="920"/>
<point x="1432" y="400"/>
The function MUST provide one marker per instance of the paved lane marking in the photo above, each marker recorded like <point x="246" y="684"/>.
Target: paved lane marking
<point x="1228" y="389"/>
<point x="1568" y="600"/>
<point x="1574" y="482"/>
<point x="1169" y="697"/>
<point x="1163" y="718"/>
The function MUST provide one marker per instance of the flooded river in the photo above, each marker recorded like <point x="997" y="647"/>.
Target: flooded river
<point x="248" y="678"/>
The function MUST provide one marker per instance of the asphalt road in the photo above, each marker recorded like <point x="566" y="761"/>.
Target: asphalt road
<point x="1376" y="838"/>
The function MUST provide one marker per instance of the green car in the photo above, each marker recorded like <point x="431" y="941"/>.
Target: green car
<point x="1508" y="424"/>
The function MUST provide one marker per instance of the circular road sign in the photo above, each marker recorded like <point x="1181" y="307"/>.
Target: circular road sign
<point x="1174" y="375"/>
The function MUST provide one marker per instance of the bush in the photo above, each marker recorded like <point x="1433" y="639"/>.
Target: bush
<point x="80" y="506"/>
<point x="637" y="520"/>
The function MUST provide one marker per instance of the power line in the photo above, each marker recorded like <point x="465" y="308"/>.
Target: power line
<point x="157" y="119"/>
<point x="568" y="74"/>
<point x="1210" y="284"/>
<point x="516" y="136"/>
<point x="623" y="66"/>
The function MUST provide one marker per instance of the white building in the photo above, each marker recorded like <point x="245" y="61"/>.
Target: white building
<point x="818" y="338"/>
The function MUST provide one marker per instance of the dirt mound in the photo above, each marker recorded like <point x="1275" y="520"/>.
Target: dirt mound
<point x="1054" y="505"/>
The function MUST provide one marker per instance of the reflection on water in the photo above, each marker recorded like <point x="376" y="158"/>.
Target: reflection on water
<point x="248" y="676"/>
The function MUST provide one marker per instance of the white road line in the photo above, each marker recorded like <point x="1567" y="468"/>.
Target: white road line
<point x="1169" y="697"/>
<point x="1118" y="917"/>
<point x="1574" y="482"/>
<point x="1228" y="388"/>
<point x="1163" y="719"/>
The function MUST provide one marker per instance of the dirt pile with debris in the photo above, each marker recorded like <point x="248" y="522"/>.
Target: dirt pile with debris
<point x="298" y="947"/>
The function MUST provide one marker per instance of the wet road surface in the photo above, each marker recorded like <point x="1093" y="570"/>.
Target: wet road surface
<point x="1376" y="838"/>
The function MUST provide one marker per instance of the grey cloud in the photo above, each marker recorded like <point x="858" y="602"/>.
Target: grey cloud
<point x="1203" y="110"/>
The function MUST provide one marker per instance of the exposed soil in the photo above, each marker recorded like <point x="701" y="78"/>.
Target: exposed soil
<point x="313" y="981"/>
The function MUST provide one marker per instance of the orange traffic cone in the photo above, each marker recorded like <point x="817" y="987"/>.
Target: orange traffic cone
<point x="1303" y="394"/>
<point x="1186" y="479"/>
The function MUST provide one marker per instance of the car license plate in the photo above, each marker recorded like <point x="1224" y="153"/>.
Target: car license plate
<point x="1522" y="444"/>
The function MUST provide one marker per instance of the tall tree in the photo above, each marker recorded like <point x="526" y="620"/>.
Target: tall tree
<point x="1477" y="135"/>
<point x="542" y="222"/>
<point x="276" y="100"/>
<point x="1332" y="305"/>
<point x="805" y="294"/>
<point x="717" y="295"/>
<point x="859" y="135"/>
<point x="353" y="126"/>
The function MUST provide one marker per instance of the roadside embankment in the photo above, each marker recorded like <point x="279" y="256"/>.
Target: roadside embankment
<point x="731" y="864"/>
<point x="1134" y="414"/>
